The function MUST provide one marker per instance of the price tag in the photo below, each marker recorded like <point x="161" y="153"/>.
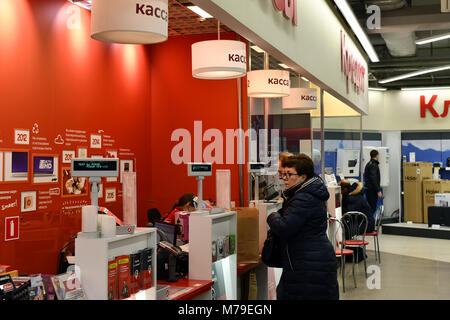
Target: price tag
<point x="67" y="156"/>
<point x="96" y="141"/>
<point x="110" y="194"/>
<point x="21" y="136"/>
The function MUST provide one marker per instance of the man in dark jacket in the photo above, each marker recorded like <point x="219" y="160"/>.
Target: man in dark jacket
<point x="307" y="256"/>
<point x="372" y="180"/>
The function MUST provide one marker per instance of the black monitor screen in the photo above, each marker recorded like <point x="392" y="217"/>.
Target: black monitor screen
<point x="169" y="229"/>
<point x="94" y="165"/>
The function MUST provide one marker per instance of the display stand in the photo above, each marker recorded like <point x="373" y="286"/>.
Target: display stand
<point x="203" y="230"/>
<point x="92" y="256"/>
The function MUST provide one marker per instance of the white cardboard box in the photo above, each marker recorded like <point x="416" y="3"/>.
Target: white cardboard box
<point x="442" y="199"/>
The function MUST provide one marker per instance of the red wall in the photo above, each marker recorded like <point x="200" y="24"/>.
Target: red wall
<point x="178" y="100"/>
<point x="61" y="79"/>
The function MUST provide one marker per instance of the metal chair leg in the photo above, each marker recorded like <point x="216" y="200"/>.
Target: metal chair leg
<point x="343" y="272"/>
<point x="353" y="267"/>
<point x="364" y="257"/>
<point x="379" y="254"/>
<point x="376" y="251"/>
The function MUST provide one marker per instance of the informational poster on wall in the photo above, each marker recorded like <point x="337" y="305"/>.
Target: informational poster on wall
<point x="36" y="179"/>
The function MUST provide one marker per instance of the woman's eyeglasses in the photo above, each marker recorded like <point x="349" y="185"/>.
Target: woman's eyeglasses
<point x="287" y="175"/>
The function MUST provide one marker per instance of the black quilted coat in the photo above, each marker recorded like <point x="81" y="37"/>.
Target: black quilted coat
<point x="308" y="258"/>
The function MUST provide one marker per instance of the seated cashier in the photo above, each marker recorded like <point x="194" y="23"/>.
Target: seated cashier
<point x="187" y="202"/>
<point x="354" y="200"/>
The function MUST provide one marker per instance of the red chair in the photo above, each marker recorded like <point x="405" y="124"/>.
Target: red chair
<point x="375" y="233"/>
<point x="336" y="228"/>
<point x="355" y="227"/>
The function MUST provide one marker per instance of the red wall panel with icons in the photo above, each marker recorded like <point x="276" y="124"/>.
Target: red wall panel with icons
<point x="63" y="94"/>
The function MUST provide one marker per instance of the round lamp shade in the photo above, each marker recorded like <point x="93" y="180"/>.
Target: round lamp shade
<point x="268" y="83"/>
<point x="130" y="22"/>
<point x="219" y="59"/>
<point x="301" y="99"/>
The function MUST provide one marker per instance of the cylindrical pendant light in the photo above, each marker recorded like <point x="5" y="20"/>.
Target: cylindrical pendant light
<point x="301" y="99"/>
<point x="130" y="22"/>
<point x="219" y="59"/>
<point x="268" y="83"/>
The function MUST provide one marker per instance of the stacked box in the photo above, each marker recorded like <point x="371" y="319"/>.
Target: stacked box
<point x="430" y="189"/>
<point x="123" y="263"/>
<point x="413" y="175"/>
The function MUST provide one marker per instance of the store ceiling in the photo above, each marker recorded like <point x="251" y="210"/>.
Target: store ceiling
<point x="184" y="22"/>
<point x="402" y="22"/>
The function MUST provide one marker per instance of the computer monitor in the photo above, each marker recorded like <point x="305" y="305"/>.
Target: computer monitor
<point x="169" y="229"/>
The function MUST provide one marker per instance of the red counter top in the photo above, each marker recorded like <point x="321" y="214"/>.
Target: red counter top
<point x="197" y="287"/>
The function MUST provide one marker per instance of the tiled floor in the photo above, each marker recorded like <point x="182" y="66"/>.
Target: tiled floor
<point x="411" y="269"/>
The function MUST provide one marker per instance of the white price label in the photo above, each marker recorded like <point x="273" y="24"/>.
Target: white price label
<point x="21" y="136"/>
<point x="67" y="156"/>
<point x="96" y="141"/>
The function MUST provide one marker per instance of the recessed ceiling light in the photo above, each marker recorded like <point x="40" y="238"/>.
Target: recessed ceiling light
<point x="305" y="79"/>
<point x="438" y="37"/>
<point x="283" y="65"/>
<point x="416" y="73"/>
<point x="348" y="14"/>
<point x="257" y="49"/>
<point x="424" y="88"/>
<point x="202" y="13"/>
<point x="377" y="89"/>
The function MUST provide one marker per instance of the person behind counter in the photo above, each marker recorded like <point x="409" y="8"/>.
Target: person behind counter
<point x="307" y="256"/>
<point x="187" y="202"/>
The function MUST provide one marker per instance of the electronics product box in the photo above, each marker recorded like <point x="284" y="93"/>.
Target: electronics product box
<point x="442" y="200"/>
<point x="123" y="265"/>
<point x="112" y="280"/>
<point x="430" y="189"/>
<point x="413" y="175"/>
<point x="146" y="267"/>
<point x="232" y="239"/>
<point x="220" y="248"/>
<point x="214" y="251"/>
<point x="135" y="272"/>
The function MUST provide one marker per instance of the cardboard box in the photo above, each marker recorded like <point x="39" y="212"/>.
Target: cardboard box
<point x="442" y="199"/>
<point x="430" y="189"/>
<point x="413" y="175"/>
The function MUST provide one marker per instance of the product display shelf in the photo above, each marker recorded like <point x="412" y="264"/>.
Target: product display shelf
<point x="203" y="230"/>
<point x="267" y="278"/>
<point x="92" y="256"/>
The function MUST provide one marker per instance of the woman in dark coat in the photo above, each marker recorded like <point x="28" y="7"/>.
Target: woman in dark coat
<point x="307" y="256"/>
<point x="353" y="200"/>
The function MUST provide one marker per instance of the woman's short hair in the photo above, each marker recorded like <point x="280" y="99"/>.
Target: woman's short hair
<point x="284" y="155"/>
<point x="301" y="163"/>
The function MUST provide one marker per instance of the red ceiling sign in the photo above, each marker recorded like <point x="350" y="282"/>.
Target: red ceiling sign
<point x="424" y="106"/>
<point x="354" y="71"/>
<point x="289" y="8"/>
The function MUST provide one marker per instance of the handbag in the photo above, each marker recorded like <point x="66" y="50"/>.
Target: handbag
<point x="271" y="252"/>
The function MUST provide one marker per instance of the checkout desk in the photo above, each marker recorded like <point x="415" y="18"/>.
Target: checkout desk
<point x="185" y="289"/>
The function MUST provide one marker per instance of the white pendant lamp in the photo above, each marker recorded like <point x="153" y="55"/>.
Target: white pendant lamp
<point x="130" y="22"/>
<point x="219" y="59"/>
<point x="268" y="83"/>
<point x="301" y="99"/>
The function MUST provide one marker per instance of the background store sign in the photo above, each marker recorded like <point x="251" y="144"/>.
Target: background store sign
<point x="132" y="22"/>
<point x="268" y="83"/>
<point x="301" y="99"/>
<point x="424" y="106"/>
<point x="11" y="228"/>
<point x="354" y="71"/>
<point x="289" y="8"/>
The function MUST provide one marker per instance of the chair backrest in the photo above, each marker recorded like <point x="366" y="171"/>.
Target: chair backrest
<point x="379" y="218"/>
<point x="336" y="233"/>
<point x="355" y="224"/>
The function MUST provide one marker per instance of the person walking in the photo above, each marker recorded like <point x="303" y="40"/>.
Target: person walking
<point x="372" y="180"/>
<point x="307" y="256"/>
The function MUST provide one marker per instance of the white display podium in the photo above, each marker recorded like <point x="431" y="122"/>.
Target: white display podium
<point x="92" y="256"/>
<point x="203" y="230"/>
